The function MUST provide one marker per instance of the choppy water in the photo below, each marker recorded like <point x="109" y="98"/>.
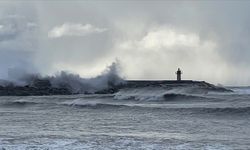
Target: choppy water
<point x="138" y="119"/>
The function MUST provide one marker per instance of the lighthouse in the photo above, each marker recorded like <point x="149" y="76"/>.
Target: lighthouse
<point x="179" y="72"/>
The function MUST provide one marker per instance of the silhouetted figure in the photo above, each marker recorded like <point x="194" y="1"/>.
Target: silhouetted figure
<point x="179" y="74"/>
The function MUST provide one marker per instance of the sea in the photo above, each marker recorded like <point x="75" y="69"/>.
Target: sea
<point x="135" y="119"/>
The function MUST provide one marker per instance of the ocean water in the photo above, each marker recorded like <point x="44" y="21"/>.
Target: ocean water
<point x="144" y="118"/>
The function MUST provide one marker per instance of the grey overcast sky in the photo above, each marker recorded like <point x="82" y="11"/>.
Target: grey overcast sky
<point x="208" y="40"/>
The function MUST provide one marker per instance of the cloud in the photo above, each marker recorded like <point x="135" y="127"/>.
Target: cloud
<point x="12" y="26"/>
<point x="169" y="48"/>
<point x="74" y="29"/>
<point x="163" y="37"/>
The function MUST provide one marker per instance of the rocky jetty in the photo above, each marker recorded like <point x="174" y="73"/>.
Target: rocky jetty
<point x="39" y="87"/>
<point x="190" y="86"/>
<point x="201" y="85"/>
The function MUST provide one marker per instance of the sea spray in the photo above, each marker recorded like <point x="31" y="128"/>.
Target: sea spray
<point x="108" y="79"/>
<point x="69" y="82"/>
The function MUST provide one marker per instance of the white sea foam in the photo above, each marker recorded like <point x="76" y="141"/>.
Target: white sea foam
<point x="157" y="93"/>
<point x="242" y="90"/>
<point x="81" y="102"/>
<point x="72" y="82"/>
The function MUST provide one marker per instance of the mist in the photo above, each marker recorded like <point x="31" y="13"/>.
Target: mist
<point x="207" y="40"/>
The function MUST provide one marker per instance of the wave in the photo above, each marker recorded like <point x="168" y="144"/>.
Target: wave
<point x="20" y="103"/>
<point x="62" y="83"/>
<point x="229" y="111"/>
<point x="241" y="90"/>
<point x="177" y="96"/>
<point x="238" y="111"/>
<point x="162" y="94"/>
<point x="91" y="104"/>
<point x="175" y="108"/>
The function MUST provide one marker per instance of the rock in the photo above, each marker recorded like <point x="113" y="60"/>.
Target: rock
<point x="44" y="87"/>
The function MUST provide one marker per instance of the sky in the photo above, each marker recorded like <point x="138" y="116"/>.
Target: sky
<point x="208" y="40"/>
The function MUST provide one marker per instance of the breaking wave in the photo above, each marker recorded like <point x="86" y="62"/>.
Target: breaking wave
<point x="69" y="83"/>
<point x="241" y="90"/>
<point x="162" y="94"/>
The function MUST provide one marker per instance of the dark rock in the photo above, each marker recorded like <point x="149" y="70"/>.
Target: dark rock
<point x="44" y="87"/>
